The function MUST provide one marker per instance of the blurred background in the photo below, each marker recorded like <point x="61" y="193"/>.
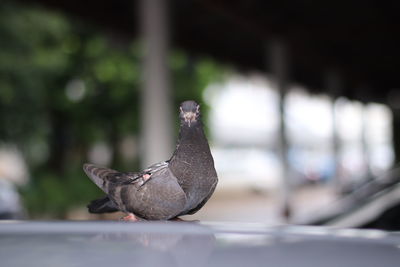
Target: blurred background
<point x="300" y="101"/>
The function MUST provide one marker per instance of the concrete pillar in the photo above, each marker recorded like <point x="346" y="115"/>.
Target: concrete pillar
<point x="396" y="134"/>
<point x="157" y="124"/>
<point x="362" y="93"/>
<point x="365" y="143"/>
<point x="278" y="61"/>
<point x="393" y="101"/>
<point x="333" y="84"/>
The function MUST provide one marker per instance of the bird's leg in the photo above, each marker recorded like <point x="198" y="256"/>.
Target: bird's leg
<point x="130" y="218"/>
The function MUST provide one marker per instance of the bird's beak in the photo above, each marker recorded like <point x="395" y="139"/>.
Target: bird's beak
<point x="189" y="117"/>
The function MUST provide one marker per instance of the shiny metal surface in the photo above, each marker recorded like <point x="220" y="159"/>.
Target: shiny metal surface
<point x="192" y="244"/>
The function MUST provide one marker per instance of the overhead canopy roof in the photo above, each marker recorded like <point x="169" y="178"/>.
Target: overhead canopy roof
<point x="360" y="40"/>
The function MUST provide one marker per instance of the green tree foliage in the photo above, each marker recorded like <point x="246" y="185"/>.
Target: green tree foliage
<point x="64" y="86"/>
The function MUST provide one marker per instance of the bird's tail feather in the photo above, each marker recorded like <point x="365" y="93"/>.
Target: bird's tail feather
<point x="98" y="175"/>
<point x="102" y="205"/>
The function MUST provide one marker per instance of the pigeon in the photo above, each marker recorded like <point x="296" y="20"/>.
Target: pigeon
<point x="165" y="190"/>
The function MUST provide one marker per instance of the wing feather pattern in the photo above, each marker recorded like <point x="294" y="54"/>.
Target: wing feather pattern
<point x="157" y="196"/>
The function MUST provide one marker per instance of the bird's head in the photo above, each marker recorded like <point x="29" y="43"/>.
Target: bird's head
<point x="189" y="112"/>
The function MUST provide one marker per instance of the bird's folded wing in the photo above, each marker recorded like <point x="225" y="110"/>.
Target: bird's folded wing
<point x="159" y="197"/>
<point x="154" y="193"/>
<point x="155" y="167"/>
<point x="103" y="177"/>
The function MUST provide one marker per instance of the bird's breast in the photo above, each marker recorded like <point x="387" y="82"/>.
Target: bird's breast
<point x="196" y="176"/>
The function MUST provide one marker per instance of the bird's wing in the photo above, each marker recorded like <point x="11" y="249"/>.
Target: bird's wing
<point x="156" y="167"/>
<point x="104" y="177"/>
<point x="152" y="194"/>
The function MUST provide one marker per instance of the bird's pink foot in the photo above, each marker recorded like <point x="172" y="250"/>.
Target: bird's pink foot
<point x="130" y="218"/>
<point x="146" y="176"/>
